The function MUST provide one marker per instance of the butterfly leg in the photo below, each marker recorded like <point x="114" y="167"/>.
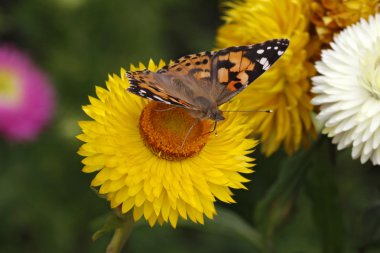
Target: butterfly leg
<point x="196" y="121"/>
<point x="213" y="129"/>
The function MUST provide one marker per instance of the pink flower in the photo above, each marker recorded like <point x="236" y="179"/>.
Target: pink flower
<point x="26" y="96"/>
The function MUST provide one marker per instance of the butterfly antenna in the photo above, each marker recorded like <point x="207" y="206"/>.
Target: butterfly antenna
<point x="267" y="111"/>
<point x="188" y="132"/>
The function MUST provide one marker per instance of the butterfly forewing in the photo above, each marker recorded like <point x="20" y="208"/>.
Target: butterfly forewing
<point x="237" y="67"/>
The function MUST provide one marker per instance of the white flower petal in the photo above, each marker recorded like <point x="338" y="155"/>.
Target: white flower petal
<point x="356" y="151"/>
<point x="364" y="157"/>
<point x="348" y="90"/>
<point x="343" y="140"/>
<point x="339" y="116"/>
<point x="376" y="139"/>
<point x="376" y="157"/>
<point x="345" y="125"/>
<point x="375" y="123"/>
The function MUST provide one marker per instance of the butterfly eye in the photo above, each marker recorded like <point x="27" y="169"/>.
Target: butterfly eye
<point x="215" y="115"/>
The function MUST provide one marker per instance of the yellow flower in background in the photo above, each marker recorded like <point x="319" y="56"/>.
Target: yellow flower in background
<point x="284" y="88"/>
<point x="134" y="145"/>
<point x="329" y="17"/>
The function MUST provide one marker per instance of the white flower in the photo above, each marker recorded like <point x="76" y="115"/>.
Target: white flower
<point x="348" y="89"/>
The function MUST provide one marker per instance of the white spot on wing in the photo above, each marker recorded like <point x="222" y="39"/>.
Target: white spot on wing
<point x="263" y="61"/>
<point x="260" y="51"/>
<point x="280" y="52"/>
<point x="158" y="98"/>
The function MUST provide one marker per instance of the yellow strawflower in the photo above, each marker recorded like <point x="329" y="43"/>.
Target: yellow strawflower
<point x="284" y="88"/>
<point x="134" y="146"/>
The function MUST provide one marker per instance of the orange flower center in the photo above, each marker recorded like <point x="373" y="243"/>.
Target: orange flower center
<point x="171" y="133"/>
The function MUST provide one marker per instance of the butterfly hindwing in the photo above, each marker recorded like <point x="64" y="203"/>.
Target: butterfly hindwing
<point x="194" y="65"/>
<point x="237" y="67"/>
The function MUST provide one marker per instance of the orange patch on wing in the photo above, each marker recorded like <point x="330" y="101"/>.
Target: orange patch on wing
<point x="193" y="61"/>
<point x="222" y="75"/>
<point x="160" y="93"/>
<point x="243" y="77"/>
<point x="235" y="58"/>
<point x="202" y="74"/>
<point x="223" y="57"/>
<point x="251" y="66"/>
<point x="178" y="69"/>
<point x="140" y="77"/>
<point x="245" y="62"/>
<point x="231" y="85"/>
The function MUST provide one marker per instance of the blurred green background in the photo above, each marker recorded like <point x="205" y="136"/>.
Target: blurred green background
<point x="316" y="201"/>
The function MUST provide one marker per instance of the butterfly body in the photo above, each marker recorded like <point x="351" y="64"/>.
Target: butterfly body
<point x="200" y="93"/>
<point x="202" y="82"/>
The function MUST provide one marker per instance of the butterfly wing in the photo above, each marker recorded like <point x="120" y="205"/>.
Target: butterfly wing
<point x="145" y="84"/>
<point x="196" y="66"/>
<point x="236" y="67"/>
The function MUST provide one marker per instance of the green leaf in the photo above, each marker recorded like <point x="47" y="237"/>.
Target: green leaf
<point x="229" y="223"/>
<point x="323" y="192"/>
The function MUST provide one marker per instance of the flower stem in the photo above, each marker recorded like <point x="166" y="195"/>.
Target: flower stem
<point x="120" y="236"/>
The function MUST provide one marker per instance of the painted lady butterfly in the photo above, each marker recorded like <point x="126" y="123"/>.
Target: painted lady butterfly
<point x="202" y="82"/>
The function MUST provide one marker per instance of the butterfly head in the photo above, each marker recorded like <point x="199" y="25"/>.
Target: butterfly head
<point x="215" y="114"/>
